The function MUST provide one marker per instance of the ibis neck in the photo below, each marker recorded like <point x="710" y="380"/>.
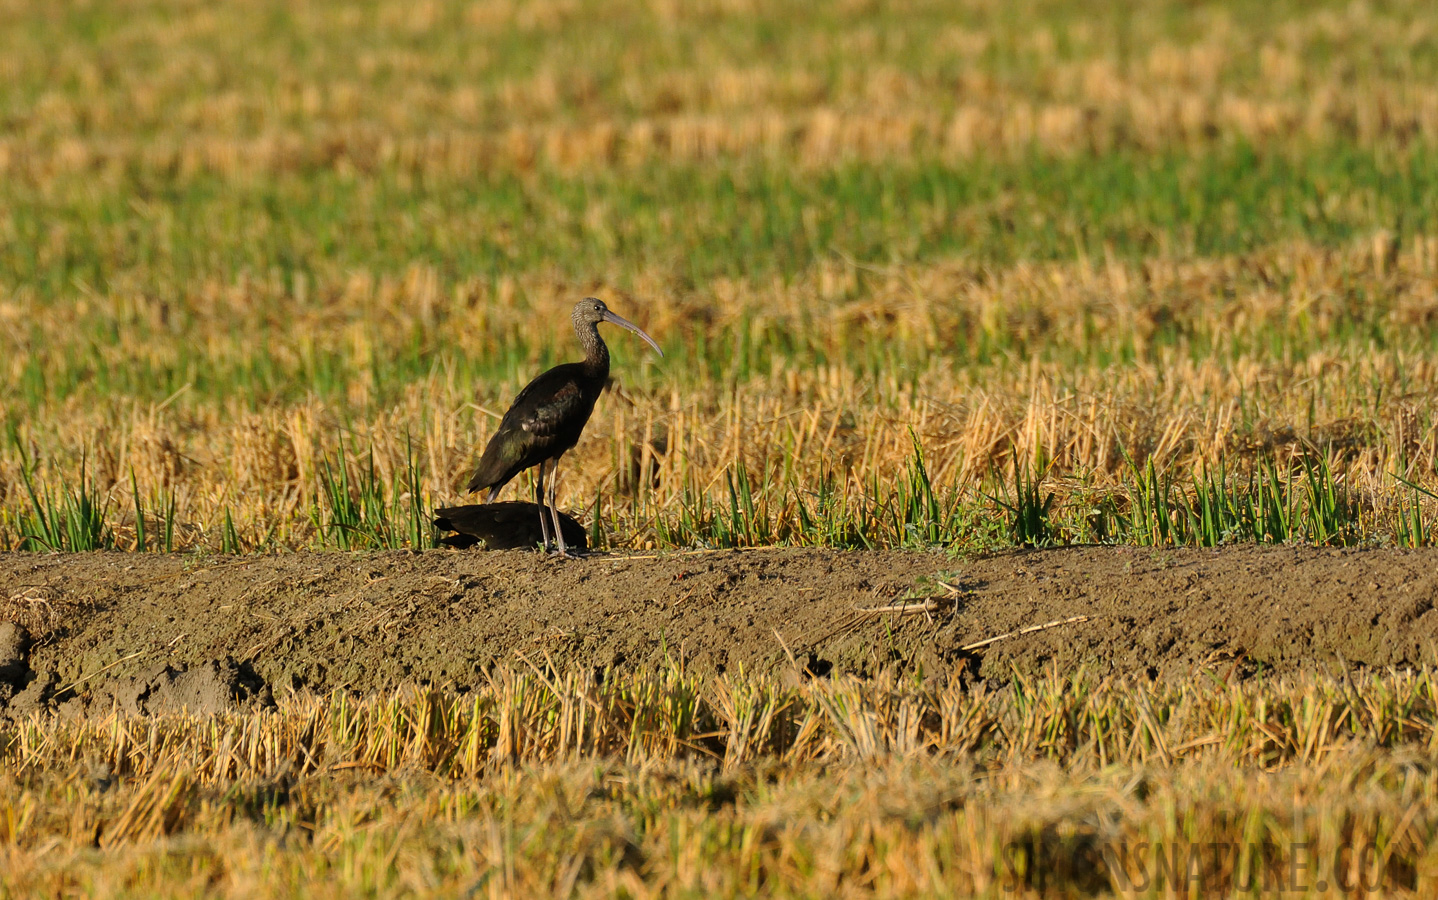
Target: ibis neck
<point x="596" y="354"/>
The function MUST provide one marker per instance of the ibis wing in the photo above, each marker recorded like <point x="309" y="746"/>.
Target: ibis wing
<point x="546" y="413"/>
<point x="544" y="419"/>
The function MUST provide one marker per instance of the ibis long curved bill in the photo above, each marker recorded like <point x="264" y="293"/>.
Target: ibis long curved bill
<point x="625" y="323"/>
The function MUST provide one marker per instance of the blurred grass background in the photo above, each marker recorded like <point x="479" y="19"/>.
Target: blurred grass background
<point x="232" y="236"/>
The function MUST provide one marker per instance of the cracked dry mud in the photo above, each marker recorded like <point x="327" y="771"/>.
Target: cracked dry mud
<point x="92" y="632"/>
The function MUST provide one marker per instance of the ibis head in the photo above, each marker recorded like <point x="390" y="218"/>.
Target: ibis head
<point x="590" y="311"/>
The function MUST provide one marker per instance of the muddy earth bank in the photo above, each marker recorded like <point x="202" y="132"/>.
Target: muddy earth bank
<point x="88" y="633"/>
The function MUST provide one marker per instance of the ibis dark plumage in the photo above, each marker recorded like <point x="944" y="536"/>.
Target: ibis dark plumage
<point x="548" y="416"/>
<point x="505" y="525"/>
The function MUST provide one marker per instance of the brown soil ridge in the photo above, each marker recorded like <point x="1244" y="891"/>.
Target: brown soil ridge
<point x="145" y="633"/>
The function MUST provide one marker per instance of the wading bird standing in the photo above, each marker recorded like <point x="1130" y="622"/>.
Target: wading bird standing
<point x="547" y="417"/>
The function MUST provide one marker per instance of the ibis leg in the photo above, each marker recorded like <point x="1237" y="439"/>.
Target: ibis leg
<point x="539" y="502"/>
<point x="554" y="507"/>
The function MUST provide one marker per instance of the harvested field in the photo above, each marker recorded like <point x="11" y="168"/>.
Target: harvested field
<point x="132" y="631"/>
<point x="257" y="261"/>
<point x="1037" y="495"/>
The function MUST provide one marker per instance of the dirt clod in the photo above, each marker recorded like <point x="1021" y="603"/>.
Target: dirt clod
<point x="33" y="697"/>
<point x="211" y="687"/>
<point x="14" y="649"/>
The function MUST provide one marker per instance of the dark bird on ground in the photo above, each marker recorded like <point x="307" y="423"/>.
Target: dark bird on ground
<point x="547" y="417"/>
<point x="506" y="525"/>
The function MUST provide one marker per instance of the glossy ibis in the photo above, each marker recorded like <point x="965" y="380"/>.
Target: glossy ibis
<point x="547" y="417"/>
<point x="506" y="525"/>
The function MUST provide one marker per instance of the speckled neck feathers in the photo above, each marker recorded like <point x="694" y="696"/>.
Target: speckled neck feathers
<point x="596" y="353"/>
